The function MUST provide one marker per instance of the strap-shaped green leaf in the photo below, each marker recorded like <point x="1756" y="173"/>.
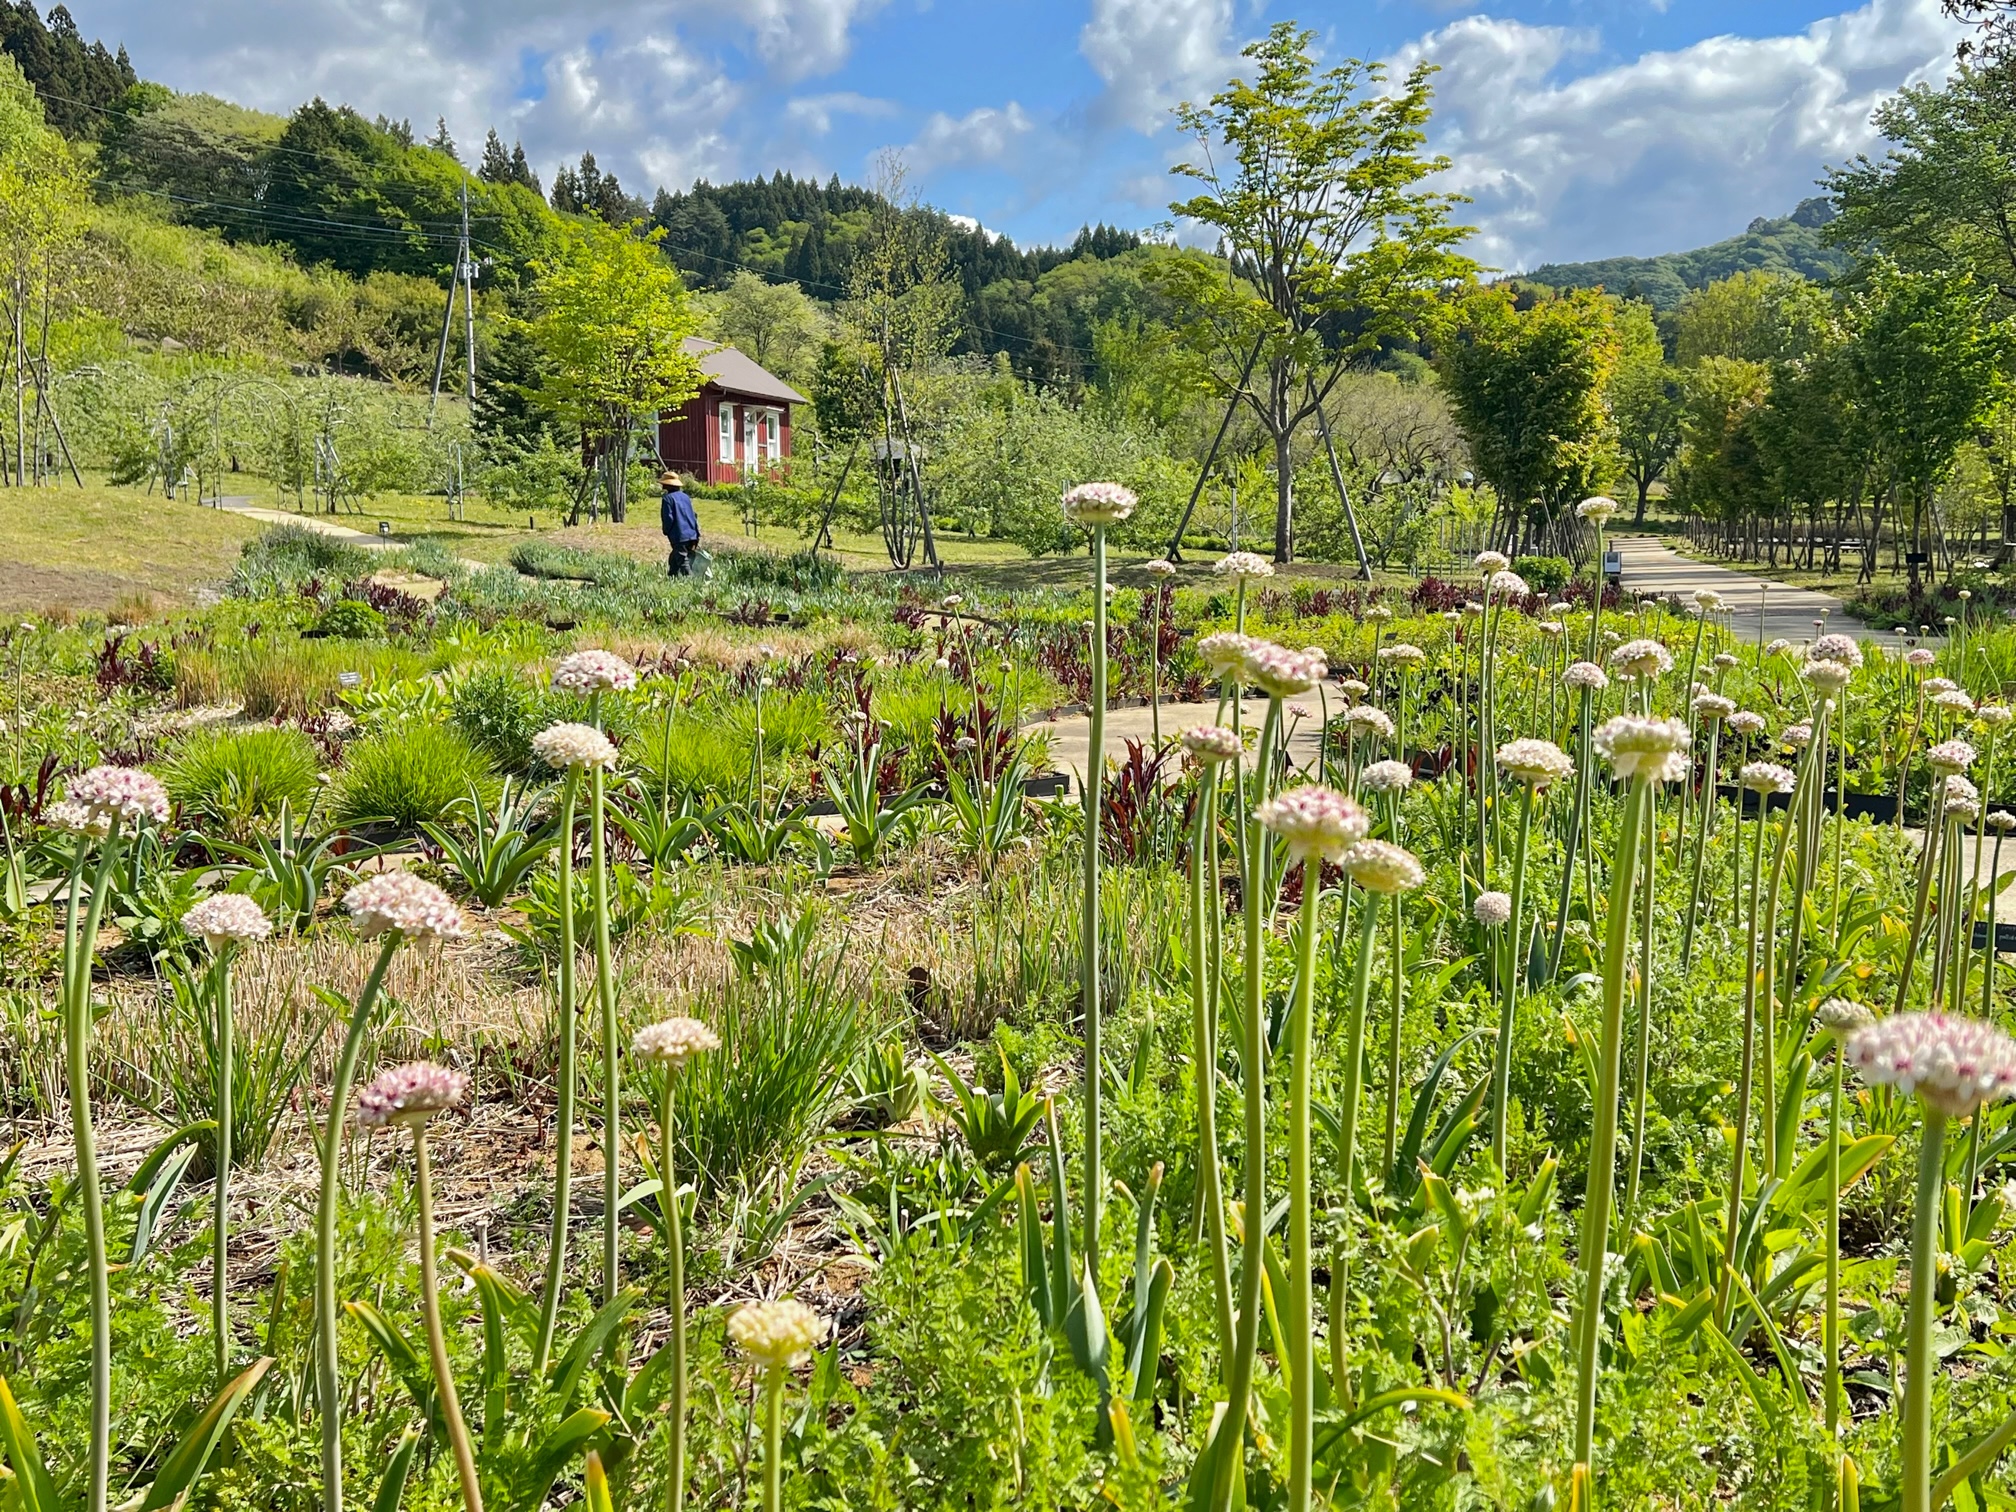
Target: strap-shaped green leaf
<point x="32" y="1481"/>
<point x="180" y="1470"/>
<point x="392" y="1485"/>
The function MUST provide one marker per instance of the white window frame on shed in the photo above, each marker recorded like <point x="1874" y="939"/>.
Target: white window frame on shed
<point x="749" y="454"/>
<point x="726" y="428"/>
<point x="773" y="430"/>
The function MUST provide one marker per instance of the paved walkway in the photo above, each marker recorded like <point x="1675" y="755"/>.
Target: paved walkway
<point x="1071" y="737"/>
<point x="1761" y="610"/>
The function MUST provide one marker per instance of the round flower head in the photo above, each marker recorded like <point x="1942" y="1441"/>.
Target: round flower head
<point x="1597" y="510"/>
<point x="569" y="746"/>
<point x="594" y="672"/>
<point x="1747" y="722"/>
<point x="1364" y="719"/>
<point x="1403" y="653"/>
<point x="1707" y="600"/>
<point x="1279" y="672"/>
<point x="1506" y="585"/>
<point x="1585" y="677"/>
<point x="1963" y="808"/>
<point x="1960" y="787"/>
<point x="674" y="1041"/>
<point x="1224" y="654"/>
<point x="1950" y="756"/>
<point x="399" y="901"/>
<point x="1725" y="659"/>
<point x="1993" y="716"/>
<point x="1953" y="1064"/>
<point x="1381" y="867"/>
<point x="2002" y="820"/>
<point x="1641" y="658"/>
<point x="1535" y="762"/>
<point x="1765" y="777"/>
<point x="409" y="1095"/>
<point x="1919" y="656"/>
<point x="1655" y="749"/>
<point x="1378" y="614"/>
<point x="1711" y="708"/>
<point x="77" y="819"/>
<point x="1777" y="647"/>
<point x="1492" y="909"/>
<point x="777" y="1335"/>
<point x="1243" y="566"/>
<point x="1160" y="567"/>
<point x="227" y="919"/>
<point x="1798" y="736"/>
<point x="124" y="795"/>
<point x="1551" y="628"/>
<point x="1841" y="1018"/>
<point x="1317" y="822"/>
<point x="1932" y="687"/>
<point x="1490" y="563"/>
<point x="1386" y="777"/>
<point x="1097" y="504"/>
<point x="1827" y="678"/>
<point x="1298" y="711"/>
<point x="1351" y="687"/>
<point x="1837" y="648"/>
<point x="1559" y="606"/>
<point x="1210" y="744"/>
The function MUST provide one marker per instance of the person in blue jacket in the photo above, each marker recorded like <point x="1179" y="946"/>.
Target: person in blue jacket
<point x="680" y="524"/>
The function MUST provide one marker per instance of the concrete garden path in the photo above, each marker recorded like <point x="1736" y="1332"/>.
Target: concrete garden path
<point x="1762" y="610"/>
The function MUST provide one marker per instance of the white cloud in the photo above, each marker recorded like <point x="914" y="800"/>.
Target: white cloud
<point x="816" y="112"/>
<point x="1672" y="150"/>
<point x="1151" y="54"/>
<point x="987" y="137"/>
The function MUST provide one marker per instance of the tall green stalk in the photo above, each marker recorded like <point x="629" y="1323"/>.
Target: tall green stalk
<point x="1204" y="1061"/>
<point x="1301" y="1320"/>
<point x="1088" y="966"/>
<point x="612" y="1060"/>
<point x="220" y="1219"/>
<point x="675" y="1247"/>
<point x="1641" y="1037"/>
<point x="1596" y="1211"/>
<point x="437" y="1340"/>
<point x="328" y="1360"/>
<point x="1508" y="995"/>
<point x="1706" y="811"/>
<point x="1745" y="1078"/>
<point x="1915" y="1457"/>
<point x="565" y="1025"/>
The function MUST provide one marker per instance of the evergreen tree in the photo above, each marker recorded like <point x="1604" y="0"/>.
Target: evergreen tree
<point x="521" y="171"/>
<point x="496" y="165"/>
<point x="441" y="141"/>
<point x="78" y="83"/>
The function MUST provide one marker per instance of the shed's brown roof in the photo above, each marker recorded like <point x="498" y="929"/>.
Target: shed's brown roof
<point x="730" y="369"/>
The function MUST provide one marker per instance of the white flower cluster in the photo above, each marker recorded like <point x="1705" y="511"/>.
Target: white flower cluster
<point x="1382" y="867"/>
<point x="1386" y="777"/>
<point x="1950" y="756"/>
<point x="1837" y="648"/>
<point x="567" y="746"/>
<point x="1711" y="708"/>
<point x="1317" y="822"/>
<point x="1535" y="762"/>
<point x="1224" y="653"/>
<point x="1492" y="909"/>
<point x="1747" y="722"/>
<point x="1243" y="566"/>
<point x="1364" y="719"/>
<point x="1953" y="1064"/>
<point x="1279" y="672"/>
<point x="1655" y="749"/>
<point x="398" y="900"/>
<point x="1210" y="744"/>
<point x="1597" y="510"/>
<point x="1403" y="653"/>
<point x="594" y="672"/>
<point x="1489" y="563"/>
<point x="227" y="919"/>
<point x="1641" y="659"/>
<point x="1585" y="677"/>
<point x="1765" y="777"/>
<point x="777" y="1335"/>
<point x="674" y="1041"/>
<point x="1098" y="504"/>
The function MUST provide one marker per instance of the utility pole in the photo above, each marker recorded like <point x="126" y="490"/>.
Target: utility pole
<point x="465" y="279"/>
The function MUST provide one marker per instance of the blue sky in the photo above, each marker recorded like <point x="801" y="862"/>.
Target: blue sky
<point x="1582" y="128"/>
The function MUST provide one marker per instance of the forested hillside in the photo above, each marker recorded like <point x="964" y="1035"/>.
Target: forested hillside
<point x="1791" y="244"/>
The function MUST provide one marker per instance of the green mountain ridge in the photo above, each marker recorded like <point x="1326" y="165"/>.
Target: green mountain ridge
<point x="1789" y="244"/>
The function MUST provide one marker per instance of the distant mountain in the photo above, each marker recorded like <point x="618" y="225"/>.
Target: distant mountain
<point x="1790" y="245"/>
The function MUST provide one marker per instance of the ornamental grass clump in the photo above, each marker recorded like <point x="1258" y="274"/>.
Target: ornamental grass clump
<point x="407" y="1097"/>
<point x="225" y="923"/>
<point x="669" y="1045"/>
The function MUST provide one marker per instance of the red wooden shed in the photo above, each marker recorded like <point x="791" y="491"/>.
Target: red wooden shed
<point x="739" y="422"/>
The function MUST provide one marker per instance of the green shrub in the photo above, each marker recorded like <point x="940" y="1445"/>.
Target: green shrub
<point x="1544" y="574"/>
<point x="238" y="778"/>
<point x="499" y="711"/>
<point x="410" y="775"/>
<point x="291" y="679"/>
<point x="352" y="619"/>
<point x="800" y="572"/>
<point x="288" y="555"/>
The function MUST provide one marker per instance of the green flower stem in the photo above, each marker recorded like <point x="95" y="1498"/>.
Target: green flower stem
<point x="1155" y="666"/>
<point x="437" y="1341"/>
<point x="1841" y="828"/>
<point x="1231" y="1434"/>
<point x="612" y="1059"/>
<point x="1603" y="1135"/>
<point x="220" y="1222"/>
<point x="1701" y="832"/>
<point x="1904" y="762"/>
<point x="1095" y="774"/>
<point x="1915" y="1464"/>
<point x="1988" y="961"/>
<point x="1641" y="1038"/>
<point x="1300" y="1323"/>
<point x="1927" y="858"/>
<point x="328" y="1373"/>
<point x="569" y="1076"/>
<point x="80" y="943"/>
<point x="1354" y="1046"/>
<point x="675" y="1245"/>
<point x="1830" y="1326"/>
<point x="773" y="1427"/>
<point x="1578" y="829"/>
<point x="1395" y="987"/>
<point x="1204" y="1065"/>
<point x="1745" y="1078"/>
<point x="1508" y="995"/>
<point x="1776" y="1161"/>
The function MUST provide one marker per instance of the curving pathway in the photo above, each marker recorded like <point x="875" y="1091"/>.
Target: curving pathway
<point x="1762" y="609"/>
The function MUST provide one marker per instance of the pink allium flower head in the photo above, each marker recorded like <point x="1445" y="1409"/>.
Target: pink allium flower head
<point x="1279" y="672"/>
<point x="1777" y="647"/>
<point x="1378" y="614"/>
<point x="1585" y="677"/>
<point x="409" y="1094"/>
<point x="1655" y="749"/>
<point x="1210" y="744"/>
<point x="1243" y="566"/>
<point x="1919" y="656"/>
<point x="1747" y="722"/>
<point x="1725" y="660"/>
<point x="1318" y="823"/>
<point x="1489" y="563"/>
<point x="1364" y="719"/>
<point x="77" y="819"/>
<point x="227" y="919"/>
<point x="1641" y="659"/>
<point x="1386" y="777"/>
<point x="1160" y="567"/>
<point x="1950" y="756"/>
<point x="1224" y="653"/>
<point x="594" y="672"/>
<point x="1932" y="687"/>
<point x="399" y="901"/>
<point x="126" y="795"/>
<point x="1535" y="762"/>
<point x="1402" y="652"/>
<point x="1799" y="736"/>
<point x="564" y="746"/>
<point x="1711" y="708"/>
<point x="2001" y="819"/>
<point x="1506" y="585"/>
<point x="1993" y="716"/>
<point x="1953" y="1065"/>
<point x="1837" y="648"/>
<point x="1098" y="504"/>
<point x="1841" y="1018"/>
<point x="1381" y="867"/>
<point x="1765" y="777"/>
<point x="1827" y="678"/>
<point x="1492" y="909"/>
<point x="1953" y="701"/>
<point x="777" y="1335"/>
<point x="674" y="1041"/>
